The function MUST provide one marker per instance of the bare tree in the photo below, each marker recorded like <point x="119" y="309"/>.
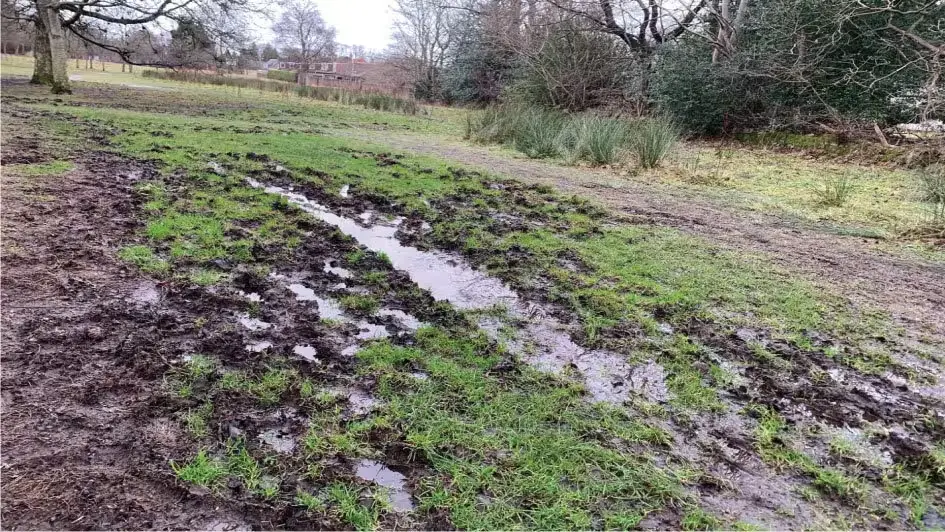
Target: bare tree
<point x="422" y="39"/>
<point x="302" y="28"/>
<point x="729" y="16"/>
<point x="53" y="18"/>
<point x="641" y="24"/>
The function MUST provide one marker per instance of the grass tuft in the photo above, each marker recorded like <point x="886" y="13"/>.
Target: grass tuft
<point x="651" y="139"/>
<point x="836" y="189"/>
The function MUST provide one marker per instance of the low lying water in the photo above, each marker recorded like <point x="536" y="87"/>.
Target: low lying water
<point x="307" y="352"/>
<point x="542" y="341"/>
<point x="384" y="476"/>
<point x="340" y="272"/>
<point x="281" y="443"/>
<point x="328" y="309"/>
<point x="446" y="278"/>
<point x="253" y="324"/>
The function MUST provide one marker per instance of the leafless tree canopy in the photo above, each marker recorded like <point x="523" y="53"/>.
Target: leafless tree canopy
<point x="302" y="29"/>
<point x="119" y="26"/>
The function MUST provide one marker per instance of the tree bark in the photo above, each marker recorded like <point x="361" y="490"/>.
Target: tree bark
<point x="57" y="48"/>
<point x="42" y="67"/>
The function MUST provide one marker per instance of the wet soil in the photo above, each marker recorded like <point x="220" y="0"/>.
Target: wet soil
<point x="91" y="347"/>
<point x="910" y="289"/>
<point x="819" y="395"/>
<point x="87" y="434"/>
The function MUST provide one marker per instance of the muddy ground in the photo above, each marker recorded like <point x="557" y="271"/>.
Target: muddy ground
<point x="100" y="386"/>
<point x="86" y="430"/>
<point x="912" y="289"/>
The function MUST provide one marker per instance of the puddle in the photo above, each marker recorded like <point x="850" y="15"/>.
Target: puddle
<point x="281" y="443"/>
<point x="337" y="270"/>
<point x="649" y="380"/>
<point x="328" y="309"/>
<point x="252" y="296"/>
<point x="350" y="351"/>
<point x="407" y="321"/>
<point x="344" y="191"/>
<point x="307" y="352"/>
<point x="386" y="477"/>
<point x="369" y="331"/>
<point x="145" y="294"/>
<point x="215" y="168"/>
<point x="302" y="292"/>
<point x="253" y="324"/>
<point x="607" y="376"/>
<point x="440" y="273"/>
<point x="258" y="347"/>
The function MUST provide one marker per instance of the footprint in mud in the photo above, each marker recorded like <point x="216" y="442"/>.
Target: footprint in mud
<point x="253" y="324"/>
<point x="146" y="293"/>
<point x="279" y="440"/>
<point x="258" y="347"/>
<point x="332" y="267"/>
<point x="328" y="309"/>
<point x="370" y="331"/>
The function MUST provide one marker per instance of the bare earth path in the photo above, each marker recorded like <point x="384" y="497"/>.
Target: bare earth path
<point x="912" y="290"/>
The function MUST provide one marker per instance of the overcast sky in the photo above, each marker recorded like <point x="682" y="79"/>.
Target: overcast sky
<point x="364" y="22"/>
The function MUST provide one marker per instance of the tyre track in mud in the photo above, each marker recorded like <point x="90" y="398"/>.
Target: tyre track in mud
<point x="911" y="290"/>
<point x="722" y="444"/>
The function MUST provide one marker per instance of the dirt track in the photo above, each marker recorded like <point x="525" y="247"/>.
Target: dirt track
<point x="912" y="290"/>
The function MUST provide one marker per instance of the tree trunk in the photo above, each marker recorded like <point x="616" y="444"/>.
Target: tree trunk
<point x="57" y="48"/>
<point x="131" y="68"/>
<point x="42" y="68"/>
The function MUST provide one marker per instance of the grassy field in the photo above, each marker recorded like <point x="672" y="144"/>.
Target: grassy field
<point x="746" y="396"/>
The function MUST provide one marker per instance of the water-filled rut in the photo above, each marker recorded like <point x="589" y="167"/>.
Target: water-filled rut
<point x="540" y="340"/>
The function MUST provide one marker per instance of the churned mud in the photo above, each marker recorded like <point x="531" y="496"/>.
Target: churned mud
<point x="903" y="419"/>
<point x="87" y="431"/>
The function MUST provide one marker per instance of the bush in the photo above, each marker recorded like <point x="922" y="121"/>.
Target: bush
<point x="651" y="139"/>
<point x="494" y="124"/>
<point x="283" y="75"/>
<point x="536" y="131"/>
<point x="603" y="138"/>
<point x="574" y="70"/>
<point x="571" y="141"/>
<point x="540" y="133"/>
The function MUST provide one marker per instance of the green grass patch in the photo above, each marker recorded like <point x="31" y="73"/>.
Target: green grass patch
<point x="51" y="168"/>
<point x="514" y="440"/>
<point x="202" y="470"/>
<point x="362" y="303"/>
<point x="144" y="258"/>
